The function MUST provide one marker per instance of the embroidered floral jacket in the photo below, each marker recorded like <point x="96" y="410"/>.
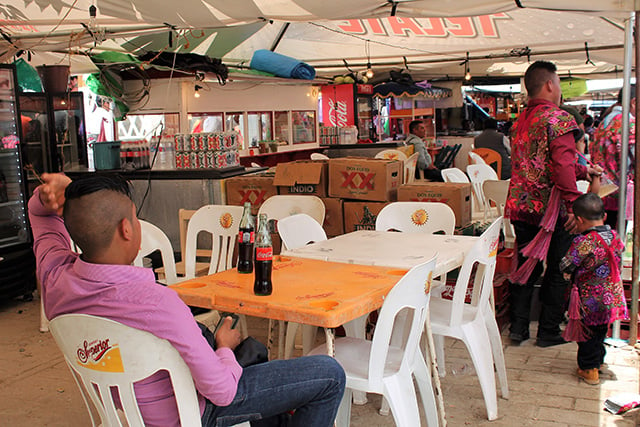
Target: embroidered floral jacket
<point x="605" y="151"/>
<point x="543" y="154"/>
<point x="594" y="262"/>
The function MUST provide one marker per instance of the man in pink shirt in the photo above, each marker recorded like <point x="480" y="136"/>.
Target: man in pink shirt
<point x="101" y="219"/>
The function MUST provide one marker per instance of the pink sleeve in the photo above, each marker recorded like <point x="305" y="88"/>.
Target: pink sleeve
<point x="51" y="242"/>
<point x="563" y="170"/>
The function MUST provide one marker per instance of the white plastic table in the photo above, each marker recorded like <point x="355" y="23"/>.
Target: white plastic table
<point x="396" y="250"/>
<point x="390" y="249"/>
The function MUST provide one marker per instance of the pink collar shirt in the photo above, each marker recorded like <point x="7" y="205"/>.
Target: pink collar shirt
<point x="131" y="296"/>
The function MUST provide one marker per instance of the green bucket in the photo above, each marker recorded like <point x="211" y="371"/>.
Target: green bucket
<point x="106" y="155"/>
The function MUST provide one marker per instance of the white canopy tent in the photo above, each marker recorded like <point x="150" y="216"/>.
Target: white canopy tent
<point x="434" y="37"/>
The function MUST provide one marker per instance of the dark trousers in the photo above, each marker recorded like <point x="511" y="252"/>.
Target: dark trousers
<point x="554" y="287"/>
<point x="591" y="352"/>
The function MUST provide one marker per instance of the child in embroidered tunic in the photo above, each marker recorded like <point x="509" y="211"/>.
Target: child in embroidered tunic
<point x="597" y="297"/>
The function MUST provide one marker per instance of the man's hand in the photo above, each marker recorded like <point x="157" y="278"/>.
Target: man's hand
<point x="594" y="170"/>
<point x="571" y="225"/>
<point x="227" y="337"/>
<point x="52" y="191"/>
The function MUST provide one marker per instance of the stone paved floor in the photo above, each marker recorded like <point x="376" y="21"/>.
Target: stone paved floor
<point x="36" y="388"/>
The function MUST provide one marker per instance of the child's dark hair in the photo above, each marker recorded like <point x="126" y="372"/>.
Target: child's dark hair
<point x="589" y="206"/>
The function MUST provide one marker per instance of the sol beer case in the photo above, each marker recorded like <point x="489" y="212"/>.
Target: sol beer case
<point x="254" y="189"/>
<point x="365" y="179"/>
<point x="456" y="195"/>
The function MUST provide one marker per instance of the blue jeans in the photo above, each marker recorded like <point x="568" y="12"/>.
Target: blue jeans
<point x="312" y="386"/>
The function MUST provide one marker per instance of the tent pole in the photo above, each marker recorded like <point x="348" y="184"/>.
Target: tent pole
<point x="626" y="99"/>
<point x="633" y="323"/>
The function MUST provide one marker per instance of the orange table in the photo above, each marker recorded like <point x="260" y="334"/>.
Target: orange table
<point x="312" y="292"/>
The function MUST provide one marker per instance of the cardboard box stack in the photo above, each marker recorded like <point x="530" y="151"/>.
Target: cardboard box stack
<point x="366" y="185"/>
<point x="456" y="195"/>
<point x="255" y="189"/>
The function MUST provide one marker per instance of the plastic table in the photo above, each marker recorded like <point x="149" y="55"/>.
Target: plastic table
<point x="390" y="249"/>
<point x="312" y="292"/>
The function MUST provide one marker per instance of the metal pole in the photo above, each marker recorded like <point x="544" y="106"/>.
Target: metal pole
<point x="624" y="154"/>
<point x="633" y="323"/>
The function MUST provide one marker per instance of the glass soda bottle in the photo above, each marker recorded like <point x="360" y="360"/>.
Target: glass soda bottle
<point x="246" y="237"/>
<point x="264" y="259"/>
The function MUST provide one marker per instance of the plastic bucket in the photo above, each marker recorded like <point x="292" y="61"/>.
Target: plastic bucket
<point x="55" y="78"/>
<point x="106" y="155"/>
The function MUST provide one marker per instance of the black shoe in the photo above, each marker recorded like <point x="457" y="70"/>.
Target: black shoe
<point x="550" y="341"/>
<point x="517" y="338"/>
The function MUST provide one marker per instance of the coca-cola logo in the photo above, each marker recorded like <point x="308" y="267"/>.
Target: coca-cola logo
<point x="338" y="113"/>
<point x="93" y="351"/>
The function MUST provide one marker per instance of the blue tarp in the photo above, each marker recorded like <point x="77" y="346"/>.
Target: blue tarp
<point x="281" y="65"/>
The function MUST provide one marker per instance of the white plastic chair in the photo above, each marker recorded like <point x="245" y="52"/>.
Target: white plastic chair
<point x="134" y="355"/>
<point x="391" y="155"/>
<point x="297" y="231"/>
<point x="476" y="158"/>
<point x="583" y="186"/>
<point x="154" y="239"/>
<point x="223" y="222"/>
<point x="278" y="207"/>
<point x="497" y="192"/>
<point x="410" y="168"/>
<point x="319" y="156"/>
<point x="454" y="175"/>
<point x="478" y="174"/>
<point x="474" y="323"/>
<point x="416" y="217"/>
<point x="379" y="366"/>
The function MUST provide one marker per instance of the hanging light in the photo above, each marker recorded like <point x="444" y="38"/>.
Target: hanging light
<point x="197" y="89"/>
<point x="369" y="72"/>
<point x="467" y="76"/>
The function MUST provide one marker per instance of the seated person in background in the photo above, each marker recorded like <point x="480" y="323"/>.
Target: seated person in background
<point x="100" y="217"/>
<point x="496" y="141"/>
<point x="417" y="131"/>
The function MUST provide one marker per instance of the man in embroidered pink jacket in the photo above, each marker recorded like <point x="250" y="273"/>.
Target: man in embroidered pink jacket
<point x="101" y="218"/>
<point x="543" y="156"/>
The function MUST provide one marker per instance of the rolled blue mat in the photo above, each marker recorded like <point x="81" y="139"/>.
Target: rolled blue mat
<point x="281" y="65"/>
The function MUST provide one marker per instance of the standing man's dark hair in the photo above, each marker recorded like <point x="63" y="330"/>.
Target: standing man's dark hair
<point x="413" y="125"/>
<point x="633" y="93"/>
<point x="537" y="75"/>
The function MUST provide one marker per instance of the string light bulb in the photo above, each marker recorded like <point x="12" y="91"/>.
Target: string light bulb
<point x="197" y="89"/>
<point x="369" y="73"/>
<point x="467" y="64"/>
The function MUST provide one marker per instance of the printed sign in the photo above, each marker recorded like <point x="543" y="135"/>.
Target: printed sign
<point x="100" y="355"/>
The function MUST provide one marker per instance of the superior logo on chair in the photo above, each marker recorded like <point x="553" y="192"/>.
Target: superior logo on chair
<point x="100" y="355"/>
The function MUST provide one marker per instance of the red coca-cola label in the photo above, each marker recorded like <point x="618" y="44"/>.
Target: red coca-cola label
<point x="264" y="254"/>
<point x="246" y="237"/>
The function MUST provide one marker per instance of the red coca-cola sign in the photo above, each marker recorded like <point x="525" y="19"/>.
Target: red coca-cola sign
<point x="338" y="105"/>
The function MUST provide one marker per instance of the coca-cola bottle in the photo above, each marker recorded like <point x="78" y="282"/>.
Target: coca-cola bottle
<point x="264" y="259"/>
<point x="245" y="241"/>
